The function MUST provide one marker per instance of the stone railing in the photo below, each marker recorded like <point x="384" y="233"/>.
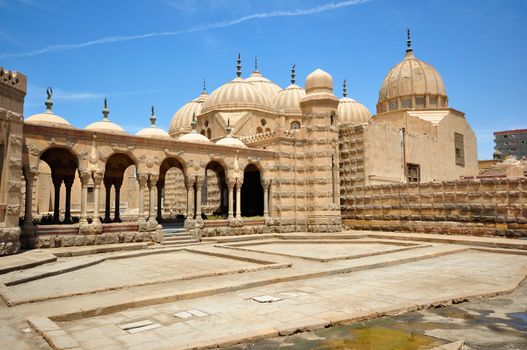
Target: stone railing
<point x="473" y="207"/>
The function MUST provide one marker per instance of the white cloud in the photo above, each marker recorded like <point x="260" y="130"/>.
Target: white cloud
<point x="198" y="28"/>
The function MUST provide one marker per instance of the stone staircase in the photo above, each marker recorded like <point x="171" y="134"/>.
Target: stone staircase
<point x="174" y="235"/>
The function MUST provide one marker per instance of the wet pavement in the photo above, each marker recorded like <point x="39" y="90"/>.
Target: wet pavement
<point x="495" y="323"/>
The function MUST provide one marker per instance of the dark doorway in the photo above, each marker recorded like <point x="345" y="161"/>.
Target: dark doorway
<point x="252" y="192"/>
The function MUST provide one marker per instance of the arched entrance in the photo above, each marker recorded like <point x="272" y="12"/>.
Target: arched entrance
<point x="171" y="192"/>
<point x="63" y="165"/>
<point x="113" y="177"/>
<point x="214" y="195"/>
<point x="252" y="194"/>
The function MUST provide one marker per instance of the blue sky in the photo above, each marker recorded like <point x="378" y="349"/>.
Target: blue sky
<point x="139" y="53"/>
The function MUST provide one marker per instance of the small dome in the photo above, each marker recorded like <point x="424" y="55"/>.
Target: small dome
<point x="412" y="84"/>
<point x="230" y="141"/>
<point x="351" y="111"/>
<point x="194" y="137"/>
<point x="48" y="118"/>
<point x="237" y="94"/>
<point x="269" y="88"/>
<point x="105" y="125"/>
<point x="287" y="101"/>
<point x="181" y="120"/>
<point x="319" y="81"/>
<point x="153" y="131"/>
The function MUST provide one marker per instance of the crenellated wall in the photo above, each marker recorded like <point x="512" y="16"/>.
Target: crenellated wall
<point x="472" y="207"/>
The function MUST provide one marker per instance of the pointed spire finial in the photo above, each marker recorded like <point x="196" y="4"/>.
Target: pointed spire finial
<point x="344" y="89"/>
<point x="408" y="41"/>
<point x="293" y="74"/>
<point x="239" y="66"/>
<point x="228" y="129"/>
<point x="204" y="85"/>
<point x="49" y="103"/>
<point x="153" y="118"/>
<point x="256" y="63"/>
<point x="193" y="123"/>
<point x="105" y="110"/>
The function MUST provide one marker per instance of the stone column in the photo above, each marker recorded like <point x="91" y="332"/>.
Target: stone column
<point x="57" y="182"/>
<point x="270" y="199"/>
<point x="85" y="178"/>
<point x="117" y="186"/>
<point x="230" y="186"/>
<point x="189" y="221"/>
<point x="239" y="183"/>
<point x="68" y="183"/>
<point x="199" y="184"/>
<point x="152" y="182"/>
<point x="265" y="185"/>
<point x="142" y="179"/>
<point x="97" y="180"/>
<point x="108" y="188"/>
<point x="28" y="213"/>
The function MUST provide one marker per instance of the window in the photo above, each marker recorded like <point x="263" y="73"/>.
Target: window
<point x="394" y="104"/>
<point x="459" y="145"/>
<point x="384" y="107"/>
<point x="263" y="122"/>
<point x="413" y="172"/>
<point x="259" y="130"/>
<point x="433" y="101"/>
<point x="209" y="134"/>
<point x="206" y="123"/>
<point x="295" y="125"/>
<point x="202" y="132"/>
<point x="420" y="102"/>
<point x="406" y="103"/>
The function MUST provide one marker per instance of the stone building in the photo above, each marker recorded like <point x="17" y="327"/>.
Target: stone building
<point x="249" y="157"/>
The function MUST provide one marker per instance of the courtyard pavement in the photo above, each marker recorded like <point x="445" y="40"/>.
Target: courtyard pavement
<point x="228" y="291"/>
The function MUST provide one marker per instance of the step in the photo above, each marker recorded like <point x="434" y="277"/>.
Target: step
<point x="173" y="230"/>
<point x="175" y="239"/>
<point x="182" y="242"/>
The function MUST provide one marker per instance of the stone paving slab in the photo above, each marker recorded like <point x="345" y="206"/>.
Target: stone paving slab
<point x="25" y="260"/>
<point x="329" y="300"/>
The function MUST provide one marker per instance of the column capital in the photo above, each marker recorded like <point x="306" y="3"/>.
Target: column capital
<point x="85" y="176"/>
<point x="199" y="180"/>
<point x="190" y="180"/>
<point x="266" y="182"/>
<point x="152" y="180"/>
<point x="97" y="176"/>
<point x="230" y="182"/>
<point x="239" y="181"/>
<point x="142" y="179"/>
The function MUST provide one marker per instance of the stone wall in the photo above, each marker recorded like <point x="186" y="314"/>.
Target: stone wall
<point x="473" y="207"/>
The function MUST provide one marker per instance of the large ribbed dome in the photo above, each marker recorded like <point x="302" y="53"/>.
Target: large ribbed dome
<point x="237" y="95"/>
<point x="269" y="88"/>
<point x="412" y="84"/>
<point x="181" y="120"/>
<point x="287" y="101"/>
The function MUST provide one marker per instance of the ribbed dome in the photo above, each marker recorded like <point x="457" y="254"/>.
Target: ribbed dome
<point x="269" y="88"/>
<point x="230" y="141"/>
<point x="412" y="84"/>
<point x="48" y="119"/>
<point x="183" y="117"/>
<point x="105" y="125"/>
<point x="237" y="95"/>
<point x="193" y="136"/>
<point x="319" y="81"/>
<point x="153" y="131"/>
<point x="287" y="101"/>
<point x="351" y="111"/>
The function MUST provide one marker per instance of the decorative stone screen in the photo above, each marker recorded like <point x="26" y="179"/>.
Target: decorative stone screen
<point x="459" y="149"/>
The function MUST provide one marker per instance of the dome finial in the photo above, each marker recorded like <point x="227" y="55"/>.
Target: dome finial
<point x="344" y="89"/>
<point x="239" y="66"/>
<point x="193" y="123"/>
<point x="228" y="129"/>
<point x="293" y="74"/>
<point x="408" y="41"/>
<point x="105" y="110"/>
<point x="153" y="118"/>
<point x="204" y="85"/>
<point x="256" y="63"/>
<point x="49" y="103"/>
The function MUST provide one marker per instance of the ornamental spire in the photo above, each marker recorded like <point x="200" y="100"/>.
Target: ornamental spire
<point x="408" y="41"/>
<point x="239" y="66"/>
<point x="49" y="103"/>
<point x="105" y="111"/>
<point x="193" y="123"/>
<point x="344" y="89"/>
<point x="204" y="86"/>
<point x="228" y="128"/>
<point x="256" y="63"/>
<point x="293" y="74"/>
<point x="153" y="118"/>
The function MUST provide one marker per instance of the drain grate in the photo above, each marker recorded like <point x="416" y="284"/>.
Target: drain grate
<point x="139" y="326"/>
<point x="190" y="313"/>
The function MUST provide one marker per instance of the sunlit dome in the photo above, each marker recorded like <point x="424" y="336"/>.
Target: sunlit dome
<point x="153" y="131"/>
<point x="351" y="111"/>
<point x="287" y="101"/>
<point x="412" y="84"/>
<point x="237" y="95"/>
<point x="105" y="125"/>
<point x="48" y="118"/>
<point x="193" y="136"/>
<point x="182" y="119"/>
<point x="319" y="81"/>
<point x="269" y="88"/>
